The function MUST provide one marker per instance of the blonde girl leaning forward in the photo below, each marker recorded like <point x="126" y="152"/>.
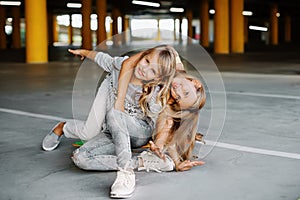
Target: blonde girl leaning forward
<point x="177" y="124"/>
<point x="111" y="148"/>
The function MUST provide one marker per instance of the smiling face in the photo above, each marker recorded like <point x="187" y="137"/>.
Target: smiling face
<point x="147" y="68"/>
<point x="184" y="92"/>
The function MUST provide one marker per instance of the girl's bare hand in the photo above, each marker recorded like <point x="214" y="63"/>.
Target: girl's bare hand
<point x="77" y="52"/>
<point x="157" y="150"/>
<point x="187" y="165"/>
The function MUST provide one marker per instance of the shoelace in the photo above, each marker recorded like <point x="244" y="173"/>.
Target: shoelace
<point x="123" y="174"/>
<point x="149" y="165"/>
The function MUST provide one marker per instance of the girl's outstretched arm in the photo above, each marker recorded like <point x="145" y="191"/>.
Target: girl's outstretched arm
<point x="84" y="53"/>
<point x="124" y="78"/>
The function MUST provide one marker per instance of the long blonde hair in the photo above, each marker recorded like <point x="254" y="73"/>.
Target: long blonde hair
<point x="181" y="138"/>
<point x="167" y="69"/>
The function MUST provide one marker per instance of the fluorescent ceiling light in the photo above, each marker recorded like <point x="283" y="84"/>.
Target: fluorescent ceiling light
<point x="146" y="3"/>
<point x="172" y="9"/>
<point x="10" y="3"/>
<point x="212" y="11"/>
<point x="247" y="13"/>
<point x="258" y="28"/>
<point x="74" y="5"/>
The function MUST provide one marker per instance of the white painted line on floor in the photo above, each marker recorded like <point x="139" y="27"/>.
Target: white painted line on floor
<point x="211" y="143"/>
<point x="254" y="150"/>
<point x="18" y="112"/>
<point x="260" y="95"/>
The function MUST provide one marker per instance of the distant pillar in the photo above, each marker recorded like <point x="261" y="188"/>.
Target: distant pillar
<point x="246" y="29"/>
<point x="204" y="23"/>
<point x="180" y="30"/>
<point x="101" y="13"/>
<point x="174" y="30"/>
<point x="16" y="34"/>
<point x="86" y="32"/>
<point x="221" y="26"/>
<point x="236" y="26"/>
<point x="50" y="28"/>
<point x="158" y="37"/>
<point x="55" y="29"/>
<point x="125" y="27"/>
<point x="116" y="38"/>
<point x="287" y="29"/>
<point x="36" y="31"/>
<point x="273" y="25"/>
<point x="70" y="31"/>
<point x="189" y="16"/>
<point x="2" y="27"/>
<point x="115" y="15"/>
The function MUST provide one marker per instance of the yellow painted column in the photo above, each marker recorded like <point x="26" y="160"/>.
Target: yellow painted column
<point x="36" y="31"/>
<point x="124" y="29"/>
<point x="273" y="25"/>
<point x="55" y="29"/>
<point x="116" y="38"/>
<point x="16" y="34"/>
<point x="158" y="36"/>
<point x="86" y="32"/>
<point x="189" y="16"/>
<point x="115" y="15"/>
<point x="287" y="29"/>
<point x="221" y="26"/>
<point x="204" y="23"/>
<point x="236" y="26"/>
<point x="101" y="13"/>
<point x="2" y="27"/>
<point x="70" y="31"/>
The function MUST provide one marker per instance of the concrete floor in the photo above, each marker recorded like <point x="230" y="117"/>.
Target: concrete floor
<point x="257" y="157"/>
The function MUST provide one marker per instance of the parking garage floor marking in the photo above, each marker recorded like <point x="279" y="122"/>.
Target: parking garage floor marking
<point x="218" y="144"/>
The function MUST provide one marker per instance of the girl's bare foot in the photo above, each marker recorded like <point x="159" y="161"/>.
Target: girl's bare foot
<point x="58" y="130"/>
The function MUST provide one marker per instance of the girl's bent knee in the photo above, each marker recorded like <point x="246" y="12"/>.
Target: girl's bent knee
<point x="80" y="160"/>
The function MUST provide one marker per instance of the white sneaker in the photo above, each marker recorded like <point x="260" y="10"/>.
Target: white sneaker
<point x="51" y="140"/>
<point x="124" y="185"/>
<point x="152" y="162"/>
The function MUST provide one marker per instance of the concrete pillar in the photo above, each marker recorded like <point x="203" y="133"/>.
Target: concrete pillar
<point x="55" y="29"/>
<point x="36" y="31"/>
<point x="101" y="13"/>
<point x="124" y="28"/>
<point x="180" y="30"/>
<point x="50" y="28"/>
<point x="236" y="26"/>
<point x="16" y="34"/>
<point x="174" y="29"/>
<point x="287" y="29"/>
<point x="116" y="38"/>
<point x="2" y="27"/>
<point x="158" y="37"/>
<point x="221" y="26"/>
<point x="189" y="16"/>
<point x="86" y="32"/>
<point x="273" y="25"/>
<point x="115" y="15"/>
<point x="246" y="29"/>
<point x="204" y="23"/>
<point x="70" y="31"/>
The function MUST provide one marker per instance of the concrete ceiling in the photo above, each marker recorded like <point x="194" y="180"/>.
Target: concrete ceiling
<point x="260" y="8"/>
